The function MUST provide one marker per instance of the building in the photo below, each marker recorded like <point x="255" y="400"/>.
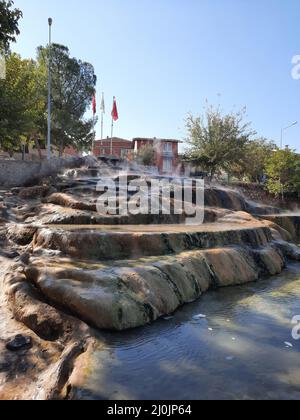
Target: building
<point x="121" y="148"/>
<point x="166" y="152"/>
<point x="71" y="152"/>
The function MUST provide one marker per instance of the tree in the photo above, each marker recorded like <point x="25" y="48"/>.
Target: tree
<point x="283" y="172"/>
<point x="9" y="19"/>
<point x="73" y="86"/>
<point x="217" y="142"/>
<point x="146" y="155"/>
<point x="21" y="103"/>
<point x="252" y="165"/>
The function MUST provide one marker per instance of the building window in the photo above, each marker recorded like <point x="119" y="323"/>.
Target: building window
<point x="167" y="166"/>
<point x="168" y="147"/>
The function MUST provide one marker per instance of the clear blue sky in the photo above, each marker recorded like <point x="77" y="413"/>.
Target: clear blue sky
<point x="163" y="58"/>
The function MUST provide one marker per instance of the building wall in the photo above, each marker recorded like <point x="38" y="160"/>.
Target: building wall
<point x="70" y="151"/>
<point x="17" y="173"/>
<point x="161" y="154"/>
<point x="126" y="149"/>
<point x="173" y="158"/>
<point x="121" y="148"/>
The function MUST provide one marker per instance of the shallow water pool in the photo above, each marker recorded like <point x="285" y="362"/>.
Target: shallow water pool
<point x="242" y="349"/>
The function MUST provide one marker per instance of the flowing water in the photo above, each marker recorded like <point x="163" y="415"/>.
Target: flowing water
<point x="240" y="350"/>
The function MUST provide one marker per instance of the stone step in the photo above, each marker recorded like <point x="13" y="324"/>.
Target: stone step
<point x="50" y="214"/>
<point x="288" y="221"/>
<point x="83" y="195"/>
<point x="129" y="294"/>
<point x="121" y="242"/>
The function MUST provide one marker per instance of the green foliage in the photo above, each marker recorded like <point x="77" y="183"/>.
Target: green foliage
<point x="73" y="86"/>
<point x="146" y="155"/>
<point x="217" y="142"/>
<point x="283" y="171"/>
<point x="9" y="19"/>
<point x="24" y="94"/>
<point x="252" y="165"/>
<point x="20" y="102"/>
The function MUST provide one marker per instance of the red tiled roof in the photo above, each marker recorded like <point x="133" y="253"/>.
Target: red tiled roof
<point x="155" y="139"/>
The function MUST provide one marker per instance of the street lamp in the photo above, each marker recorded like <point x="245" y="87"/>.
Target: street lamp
<point x="281" y="147"/>
<point x="50" y="21"/>
<point x="283" y="130"/>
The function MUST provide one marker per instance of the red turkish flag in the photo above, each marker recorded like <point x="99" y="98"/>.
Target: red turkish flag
<point x="114" y="113"/>
<point x="94" y="104"/>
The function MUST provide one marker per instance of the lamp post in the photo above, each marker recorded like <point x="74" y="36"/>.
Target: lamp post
<point x="282" y="132"/>
<point x="281" y="147"/>
<point x="50" y="21"/>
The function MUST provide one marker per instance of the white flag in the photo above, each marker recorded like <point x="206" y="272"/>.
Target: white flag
<point x="102" y="106"/>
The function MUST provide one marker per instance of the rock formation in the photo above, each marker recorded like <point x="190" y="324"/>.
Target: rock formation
<point x="67" y="266"/>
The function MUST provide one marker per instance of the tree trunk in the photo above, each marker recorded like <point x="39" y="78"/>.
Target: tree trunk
<point x="38" y="146"/>
<point x="61" y="148"/>
<point x="282" y="192"/>
<point x="212" y="173"/>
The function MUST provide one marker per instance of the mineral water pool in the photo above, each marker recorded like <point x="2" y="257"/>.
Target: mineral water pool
<point x="242" y="349"/>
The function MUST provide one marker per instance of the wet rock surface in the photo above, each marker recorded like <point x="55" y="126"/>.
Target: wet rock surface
<point x="289" y="222"/>
<point x="133" y="293"/>
<point x="37" y="192"/>
<point x="20" y="342"/>
<point x="20" y="234"/>
<point x="66" y="266"/>
<point x="105" y="244"/>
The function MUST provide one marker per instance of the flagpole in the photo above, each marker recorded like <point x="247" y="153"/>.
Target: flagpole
<point x="94" y="106"/>
<point x="101" y="126"/>
<point x="112" y="134"/>
<point x="102" y="117"/>
<point x="94" y="134"/>
<point x="50" y="22"/>
<point x="114" y="117"/>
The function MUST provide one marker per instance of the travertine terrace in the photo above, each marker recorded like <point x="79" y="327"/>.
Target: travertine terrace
<point x="67" y="269"/>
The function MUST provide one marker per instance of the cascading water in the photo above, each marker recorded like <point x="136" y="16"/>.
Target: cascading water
<point x="117" y="272"/>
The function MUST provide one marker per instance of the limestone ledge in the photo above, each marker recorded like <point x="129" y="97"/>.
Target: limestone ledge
<point x="129" y="294"/>
<point x="290" y="222"/>
<point x="111" y="243"/>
